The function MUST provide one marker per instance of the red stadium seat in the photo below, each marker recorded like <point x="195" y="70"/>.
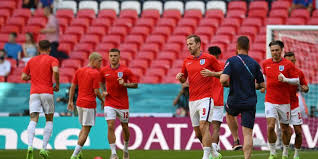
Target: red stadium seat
<point x="118" y="30"/>
<point x="135" y="39"/>
<point x="91" y="39"/>
<point x="10" y="28"/>
<point x="170" y="79"/>
<point x="2" y="45"/>
<point x="301" y="13"/>
<point x="65" y="13"/>
<point x="69" y="72"/>
<point x="150" y="48"/>
<point x="229" y="31"/>
<point x="65" y="79"/>
<point x="159" y="72"/>
<point x="5" y="13"/>
<point x="15" y="79"/>
<point x="103" y="22"/>
<point x="161" y="63"/>
<point x="6" y="4"/>
<point x="237" y="5"/>
<point x="138" y="72"/>
<point x="172" y="47"/>
<point x="183" y="31"/>
<point x="140" y="63"/>
<point x="130" y="14"/>
<point x="68" y="38"/>
<point x="215" y="14"/>
<point x="255" y="22"/>
<point x="257" y="14"/>
<point x="151" y="13"/>
<point x="81" y="22"/>
<point x="210" y="22"/>
<point x="32" y="29"/>
<point x="260" y="39"/>
<point x="259" y="5"/>
<point x="4" y="37"/>
<point x="177" y="64"/>
<point x="156" y="39"/>
<point x="231" y="47"/>
<point x="279" y="13"/>
<point x="124" y="22"/>
<point x="105" y="47"/>
<point x="75" y="30"/>
<point x="193" y="13"/>
<point x="129" y="47"/>
<point x="205" y="30"/>
<point x="165" y="55"/>
<point x="146" y="22"/>
<point x="169" y="22"/>
<point x="249" y="30"/>
<point x="39" y="13"/>
<point x="71" y="63"/>
<point x="178" y="39"/>
<point x="85" y="47"/>
<point x="150" y="79"/>
<point x="313" y="21"/>
<point x="144" y="31"/>
<point x="113" y="39"/>
<point x="296" y="21"/>
<point x="175" y="14"/>
<point x="37" y="21"/>
<point x="97" y="30"/>
<point x="281" y="5"/>
<point x="233" y="22"/>
<point x="162" y="30"/>
<point x="222" y="39"/>
<point x="78" y="55"/>
<point x="260" y="47"/>
<point x="315" y="13"/>
<point x="63" y="24"/>
<point x="86" y="13"/>
<point x="22" y="12"/>
<point x="107" y="13"/>
<point x="256" y="55"/>
<point x="146" y="55"/>
<point x="236" y="14"/>
<point x="274" y="21"/>
<point x="188" y="22"/>
<point x="65" y="47"/>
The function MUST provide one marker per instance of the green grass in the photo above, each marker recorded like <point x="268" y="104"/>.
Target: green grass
<point x="149" y="154"/>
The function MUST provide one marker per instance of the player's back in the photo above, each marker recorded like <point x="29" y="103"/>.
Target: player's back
<point x="85" y="79"/>
<point x="40" y="68"/>
<point x="242" y="82"/>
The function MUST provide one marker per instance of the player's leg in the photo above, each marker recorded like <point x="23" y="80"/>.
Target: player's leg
<point x="284" y="115"/>
<point x="47" y="101"/>
<point x="296" y="121"/>
<point x="271" y="114"/>
<point x="124" y="118"/>
<point x="248" y="142"/>
<point x="231" y="120"/>
<point x="34" y="108"/>
<point x="217" y="119"/>
<point x="110" y="116"/>
<point x="87" y="119"/>
<point x="195" y="119"/>
<point x="248" y="120"/>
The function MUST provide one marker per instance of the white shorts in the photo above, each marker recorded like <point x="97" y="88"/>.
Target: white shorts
<point x="41" y="103"/>
<point x="217" y="114"/>
<point x="111" y="113"/>
<point x="295" y="118"/>
<point x="280" y="112"/>
<point x="201" y="110"/>
<point x="86" y="116"/>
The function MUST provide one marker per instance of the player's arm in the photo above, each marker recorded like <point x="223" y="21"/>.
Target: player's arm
<point x="181" y="78"/>
<point x="98" y="94"/>
<point x="127" y="85"/>
<point x="291" y="81"/>
<point x="70" y="105"/>
<point x="303" y="83"/>
<point x="56" y="75"/>
<point x="224" y="80"/>
<point x="260" y="80"/>
<point x="25" y="77"/>
<point x="207" y="73"/>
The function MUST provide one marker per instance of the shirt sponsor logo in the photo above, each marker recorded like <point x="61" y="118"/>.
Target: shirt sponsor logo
<point x="120" y="74"/>
<point x="189" y="63"/>
<point x="202" y="61"/>
<point x="281" y="68"/>
<point x="107" y="75"/>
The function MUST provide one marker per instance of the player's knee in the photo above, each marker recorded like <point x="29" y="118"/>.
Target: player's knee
<point x="271" y="128"/>
<point x="298" y="132"/>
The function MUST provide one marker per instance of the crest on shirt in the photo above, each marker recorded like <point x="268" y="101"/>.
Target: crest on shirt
<point x="202" y="61"/>
<point x="120" y="74"/>
<point x="281" y="67"/>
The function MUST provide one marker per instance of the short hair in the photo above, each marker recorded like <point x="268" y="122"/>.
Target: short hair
<point x="114" y="50"/>
<point x="4" y="51"/>
<point x="277" y="42"/>
<point x="14" y="34"/>
<point x="289" y="54"/>
<point x="44" y="45"/>
<point x="243" y="43"/>
<point x="49" y="8"/>
<point x="94" y="56"/>
<point x="197" y="39"/>
<point x="214" y="50"/>
<point x="31" y="36"/>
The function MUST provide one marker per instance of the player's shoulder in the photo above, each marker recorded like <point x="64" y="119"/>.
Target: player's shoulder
<point x="105" y="68"/>
<point x="267" y="61"/>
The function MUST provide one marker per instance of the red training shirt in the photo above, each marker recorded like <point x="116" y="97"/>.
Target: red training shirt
<point x="117" y="94"/>
<point x="294" y="103"/>
<point x="218" y="90"/>
<point x="40" y="68"/>
<point x="87" y="79"/>
<point x="200" y="87"/>
<point x="278" y="92"/>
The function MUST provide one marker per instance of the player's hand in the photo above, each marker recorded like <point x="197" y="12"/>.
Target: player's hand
<point x="56" y="88"/>
<point x="121" y="81"/>
<point x="262" y="90"/>
<point x="206" y="73"/>
<point x="105" y="94"/>
<point x="70" y="106"/>
<point x="281" y="77"/>
<point x="179" y="76"/>
<point x="304" y="88"/>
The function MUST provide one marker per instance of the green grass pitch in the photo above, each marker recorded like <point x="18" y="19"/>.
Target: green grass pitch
<point x="149" y="154"/>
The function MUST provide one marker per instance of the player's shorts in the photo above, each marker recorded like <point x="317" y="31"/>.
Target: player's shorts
<point x="111" y="113"/>
<point x="295" y="118"/>
<point x="217" y="114"/>
<point x="41" y="102"/>
<point x="86" y="116"/>
<point x="282" y="111"/>
<point x="201" y="110"/>
<point x="247" y="113"/>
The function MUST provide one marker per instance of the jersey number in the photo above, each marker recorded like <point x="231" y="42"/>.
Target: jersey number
<point x="126" y="115"/>
<point x="204" y="111"/>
